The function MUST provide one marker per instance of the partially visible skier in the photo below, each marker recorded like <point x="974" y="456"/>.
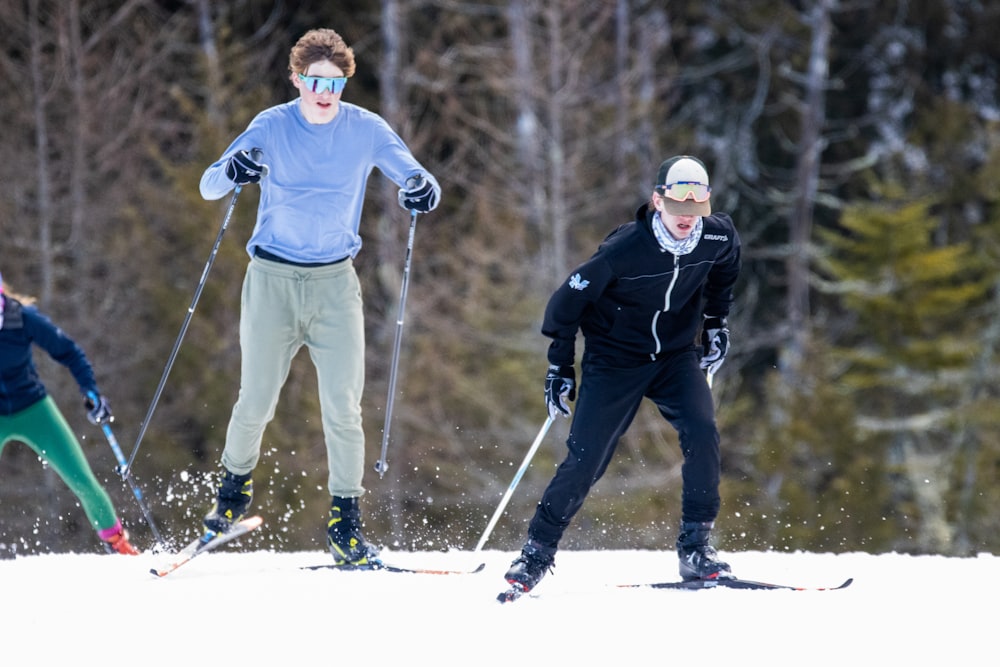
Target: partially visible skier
<point x="29" y="415"/>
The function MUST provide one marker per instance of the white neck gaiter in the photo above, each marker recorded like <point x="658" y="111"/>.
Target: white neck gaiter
<point x="669" y="244"/>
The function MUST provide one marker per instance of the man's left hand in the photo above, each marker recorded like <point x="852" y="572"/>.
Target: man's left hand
<point x="418" y="194"/>
<point x="715" y="343"/>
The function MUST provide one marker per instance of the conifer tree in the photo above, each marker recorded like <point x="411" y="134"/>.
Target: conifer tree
<point x="907" y="351"/>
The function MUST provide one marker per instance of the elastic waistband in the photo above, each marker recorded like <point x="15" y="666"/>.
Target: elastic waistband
<point x="271" y="257"/>
<point x="294" y="272"/>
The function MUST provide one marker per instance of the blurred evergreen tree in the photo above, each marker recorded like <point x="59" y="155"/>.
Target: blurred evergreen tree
<point x="905" y="361"/>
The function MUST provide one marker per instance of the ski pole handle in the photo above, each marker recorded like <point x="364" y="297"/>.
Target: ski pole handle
<point x="257" y="155"/>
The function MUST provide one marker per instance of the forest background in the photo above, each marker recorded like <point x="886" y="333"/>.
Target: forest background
<point x="855" y="142"/>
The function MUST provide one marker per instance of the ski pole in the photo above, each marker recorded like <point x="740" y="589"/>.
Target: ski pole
<point x="514" y="482"/>
<point x="257" y="155"/>
<point x="120" y="457"/>
<point x="381" y="466"/>
<point x="127" y="469"/>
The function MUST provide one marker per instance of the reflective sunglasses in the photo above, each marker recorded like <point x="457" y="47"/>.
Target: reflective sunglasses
<point x="319" y="84"/>
<point x="683" y="189"/>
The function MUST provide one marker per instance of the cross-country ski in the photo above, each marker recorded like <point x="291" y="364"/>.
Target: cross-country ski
<point x="515" y="591"/>
<point x="732" y="582"/>
<point x="206" y="543"/>
<point x="379" y="566"/>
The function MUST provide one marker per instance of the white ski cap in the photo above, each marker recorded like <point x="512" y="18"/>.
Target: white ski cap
<point x="688" y="170"/>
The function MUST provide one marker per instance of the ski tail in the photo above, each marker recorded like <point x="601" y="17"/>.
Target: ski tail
<point x="511" y="594"/>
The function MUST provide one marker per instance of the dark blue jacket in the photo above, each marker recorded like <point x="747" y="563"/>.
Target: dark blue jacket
<point x="20" y="386"/>
<point x="635" y="302"/>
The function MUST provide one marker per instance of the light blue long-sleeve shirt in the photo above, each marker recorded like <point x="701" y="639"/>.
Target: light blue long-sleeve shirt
<point x="311" y="199"/>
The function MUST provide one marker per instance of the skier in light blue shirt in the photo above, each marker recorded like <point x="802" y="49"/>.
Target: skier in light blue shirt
<point x="312" y="158"/>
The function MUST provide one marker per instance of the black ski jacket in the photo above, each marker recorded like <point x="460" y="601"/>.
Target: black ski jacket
<point x="635" y="302"/>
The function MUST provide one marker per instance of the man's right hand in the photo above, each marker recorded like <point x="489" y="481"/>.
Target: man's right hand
<point x="560" y="385"/>
<point x="243" y="169"/>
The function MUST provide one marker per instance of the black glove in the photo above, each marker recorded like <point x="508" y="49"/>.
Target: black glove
<point x="418" y="194"/>
<point x="98" y="410"/>
<point x="560" y="384"/>
<point x="243" y="168"/>
<point x="714" y="343"/>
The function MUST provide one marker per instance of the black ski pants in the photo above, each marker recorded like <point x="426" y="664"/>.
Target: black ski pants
<point x="608" y="400"/>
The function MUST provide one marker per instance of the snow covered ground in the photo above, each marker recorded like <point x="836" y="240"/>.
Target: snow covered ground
<point x="260" y="608"/>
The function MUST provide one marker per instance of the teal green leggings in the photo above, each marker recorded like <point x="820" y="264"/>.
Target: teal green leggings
<point x="42" y="427"/>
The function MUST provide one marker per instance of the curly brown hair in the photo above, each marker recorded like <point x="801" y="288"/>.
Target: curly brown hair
<point x="321" y="44"/>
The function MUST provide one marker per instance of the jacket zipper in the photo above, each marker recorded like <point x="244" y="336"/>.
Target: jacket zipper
<point x="666" y="305"/>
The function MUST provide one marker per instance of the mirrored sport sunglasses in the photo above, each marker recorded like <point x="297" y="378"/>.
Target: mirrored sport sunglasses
<point x="319" y="84"/>
<point x="681" y="190"/>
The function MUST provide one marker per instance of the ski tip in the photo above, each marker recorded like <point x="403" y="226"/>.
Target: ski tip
<point x="386" y="567"/>
<point x="848" y="582"/>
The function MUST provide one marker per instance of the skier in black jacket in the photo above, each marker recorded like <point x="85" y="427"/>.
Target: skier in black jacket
<point x="640" y="302"/>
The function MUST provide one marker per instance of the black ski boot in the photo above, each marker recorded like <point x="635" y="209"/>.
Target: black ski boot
<point x="231" y="504"/>
<point x="343" y="535"/>
<point x="697" y="559"/>
<point x="529" y="568"/>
